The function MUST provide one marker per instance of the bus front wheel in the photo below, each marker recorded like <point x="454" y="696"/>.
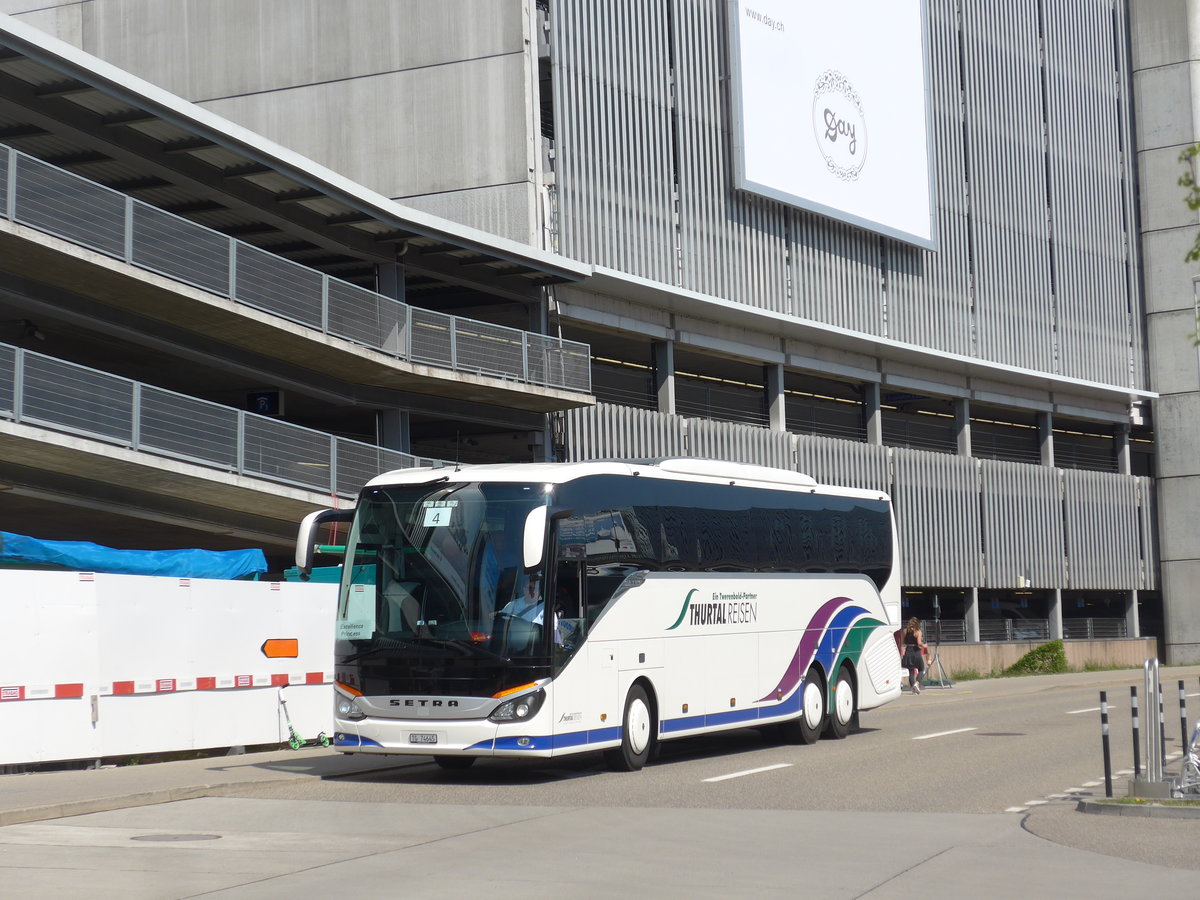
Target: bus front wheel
<point x="807" y="728"/>
<point x="637" y="733"/>
<point x="845" y="705"/>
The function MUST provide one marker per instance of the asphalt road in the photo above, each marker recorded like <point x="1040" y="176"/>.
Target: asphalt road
<point x="978" y="747"/>
<point x="968" y="791"/>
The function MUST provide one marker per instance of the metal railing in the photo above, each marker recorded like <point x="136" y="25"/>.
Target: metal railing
<point x="1014" y="629"/>
<point x="1095" y="629"/>
<point x="90" y="215"/>
<point x="62" y="396"/>
<point x="954" y="631"/>
<point x="948" y="631"/>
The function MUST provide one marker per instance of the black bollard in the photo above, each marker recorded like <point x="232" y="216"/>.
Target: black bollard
<point x="1162" y="728"/>
<point x="1104" y="740"/>
<point x="1137" y="733"/>
<point x="1183" y="735"/>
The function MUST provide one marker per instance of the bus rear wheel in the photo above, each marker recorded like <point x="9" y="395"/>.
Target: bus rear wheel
<point x="637" y="733"/>
<point x="807" y="728"/>
<point x="845" y="705"/>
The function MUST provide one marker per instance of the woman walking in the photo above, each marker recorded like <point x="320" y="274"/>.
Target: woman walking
<point x="915" y="649"/>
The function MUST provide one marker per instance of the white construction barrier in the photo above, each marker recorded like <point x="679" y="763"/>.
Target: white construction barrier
<point x="95" y="665"/>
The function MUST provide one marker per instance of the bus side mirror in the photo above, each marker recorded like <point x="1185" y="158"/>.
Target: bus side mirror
<point x="533" y="544"/>
<point x="306" y="540"/>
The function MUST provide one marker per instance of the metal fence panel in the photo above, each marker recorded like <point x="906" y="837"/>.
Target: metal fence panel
<point x="1102" y="530"/>
<point x="180" y="249"/>
<point x="358" y="463"/>
<point x="945" y="631"/>
<point x="612" y="112"/>
<point x="367" y="318"/>
<point x="1014" y="629"/>
<point x="489" y="349"/>
<point x="73" y="208"/>
<point x="8" y="380"/>
<point x="432" y="338"/>
<point x="937" y="517"/>
<point x="605" y="431"/>
<point x="281" y="452"/>
<point x="845" y="463"/>
<point x="78" y="210"/>
<point x="1094" y="629"/>
<point x="6" y="154"/>
<point x="739" y="443"/>
<point x="731" y="245"/>
<point x="701" y="399"/>
<point x="553" y="361"/>
<point x="1148" y="528"/>
<point x="278" y="286"/>
<point x="1022" y="520"/>
<point x="66" y="396"/>
<point x="188" y="428"/>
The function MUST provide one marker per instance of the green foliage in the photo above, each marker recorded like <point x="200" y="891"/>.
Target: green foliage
<point x="1192" y="198"/>
<point x="1047" y="659"/>
<point x="1188" y="181"/>
<point x="1105" y="667"/>
<point x="966" y="675"/>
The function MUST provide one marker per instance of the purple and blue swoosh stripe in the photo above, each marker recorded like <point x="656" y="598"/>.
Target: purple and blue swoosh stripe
<point x="822" y="641"/>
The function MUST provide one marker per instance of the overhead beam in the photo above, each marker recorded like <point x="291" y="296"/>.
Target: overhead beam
<point x="144" y="153"/>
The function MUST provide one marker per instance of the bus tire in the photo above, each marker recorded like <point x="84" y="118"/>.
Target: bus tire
<point x="844" y="710"/>
<point x="455" y="763"/>
<point x="637" y="733"/>
<point x="807" y="728"/>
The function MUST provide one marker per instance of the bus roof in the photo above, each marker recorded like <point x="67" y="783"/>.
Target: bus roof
<point x="672" y="468"/>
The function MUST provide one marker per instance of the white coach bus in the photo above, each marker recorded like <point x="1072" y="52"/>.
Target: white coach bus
<point x="535" y="610"/>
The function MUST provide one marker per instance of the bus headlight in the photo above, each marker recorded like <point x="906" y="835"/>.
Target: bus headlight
<point x="348" y="709"/>
<point x="519" y="708"/>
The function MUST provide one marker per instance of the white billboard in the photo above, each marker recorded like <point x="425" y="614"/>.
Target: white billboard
<point x="831" y="114"/>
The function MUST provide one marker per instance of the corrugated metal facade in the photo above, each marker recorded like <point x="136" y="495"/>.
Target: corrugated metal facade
<point x="1035" y="267"/>
<point x="1030" y="160"/>
<point x="962" y="522"/>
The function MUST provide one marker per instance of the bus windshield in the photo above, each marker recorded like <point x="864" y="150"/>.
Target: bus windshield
<point x="439" y="566"/>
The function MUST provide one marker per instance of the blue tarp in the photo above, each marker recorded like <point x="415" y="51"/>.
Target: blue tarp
<point x="81" y="556"/>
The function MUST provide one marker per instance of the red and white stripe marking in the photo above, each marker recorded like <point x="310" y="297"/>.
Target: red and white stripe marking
<point x="75" y="690"/>
<point x="40" y="691"/>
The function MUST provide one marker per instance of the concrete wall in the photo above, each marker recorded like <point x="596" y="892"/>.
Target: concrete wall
<point x="418" y="100"/>
<point x="992" y="658"/>
<point x="1165" y="40"/>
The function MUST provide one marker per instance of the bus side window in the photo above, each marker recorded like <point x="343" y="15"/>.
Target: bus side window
<point x="600" y="589"/>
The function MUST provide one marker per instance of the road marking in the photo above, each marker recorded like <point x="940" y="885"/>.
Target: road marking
<point x="749" y="772"/>
<point x="1036" y="802"/>
<point x="925" y="737"/>
<point x="1094" y="783"/>
<point x="1017" y="809"/>
<point x="1075" y="712"/>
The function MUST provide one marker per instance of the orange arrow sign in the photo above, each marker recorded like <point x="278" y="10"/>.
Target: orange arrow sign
<point x="281" y="648"/>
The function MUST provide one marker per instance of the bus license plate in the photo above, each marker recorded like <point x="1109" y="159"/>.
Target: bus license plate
<point x="422" y="738"/>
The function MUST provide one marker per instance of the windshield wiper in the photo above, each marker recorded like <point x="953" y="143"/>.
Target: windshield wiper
<point x="371" y="651"/>
<point x="472" y="649"/>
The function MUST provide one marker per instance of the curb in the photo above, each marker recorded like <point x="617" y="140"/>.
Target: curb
<point x="1148" y="810"/>
<point x="122" y="801"/>
<point x="65" y="809"/>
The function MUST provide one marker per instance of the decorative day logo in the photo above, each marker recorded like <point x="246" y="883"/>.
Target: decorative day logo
<point x="839" y="125"/>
